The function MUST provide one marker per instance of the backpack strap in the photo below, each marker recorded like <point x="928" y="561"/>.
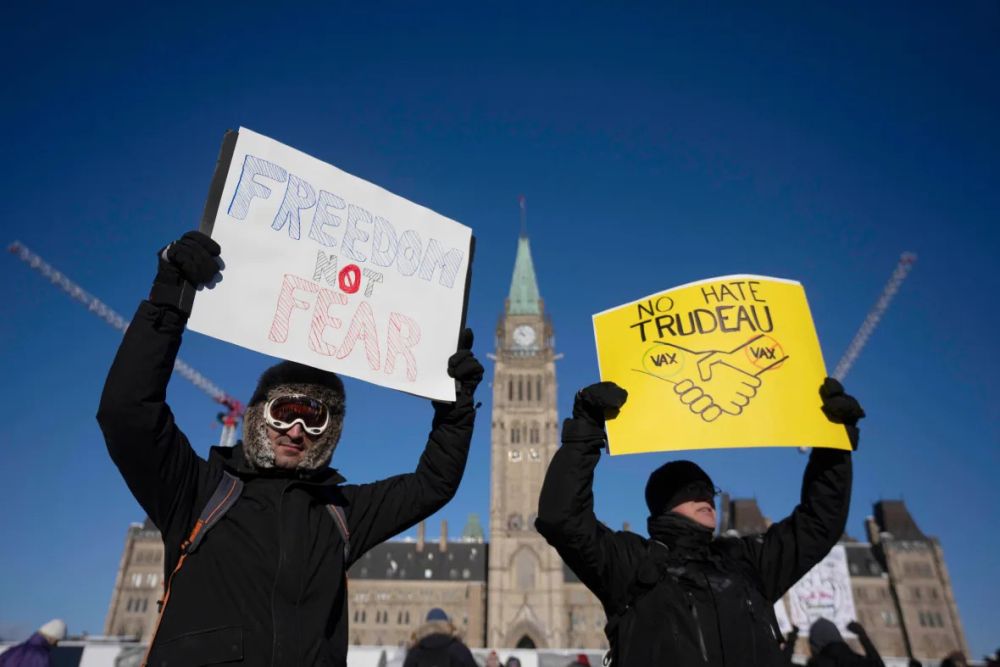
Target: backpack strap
<point x="225" y="496"/>
<point x="340" y="521"/>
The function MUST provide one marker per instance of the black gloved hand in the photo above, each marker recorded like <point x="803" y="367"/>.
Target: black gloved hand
<point x="463" y="365"/>
<point x="599" y="402"/>
<point x="841" y="408"/>
<point x="856" y="628"/>
<point x="190" y="260"/>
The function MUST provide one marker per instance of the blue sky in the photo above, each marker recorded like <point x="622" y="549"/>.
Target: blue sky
<point x="655" y="146"/>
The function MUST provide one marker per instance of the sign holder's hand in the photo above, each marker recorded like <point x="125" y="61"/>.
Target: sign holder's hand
<point x="841" y="408"/>
<point x="599" y="402"/>
<point x="191" y="261"/>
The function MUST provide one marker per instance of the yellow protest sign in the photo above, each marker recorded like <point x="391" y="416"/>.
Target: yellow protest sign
<point x="725" y="362"/>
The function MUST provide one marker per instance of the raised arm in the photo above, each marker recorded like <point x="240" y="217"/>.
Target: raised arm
<point x="599" y="556"/>
<point x="150" y="451"/>
<point x="872" y="657"/>
<point x="791" y="547"/>
<point x="379" y="510"/>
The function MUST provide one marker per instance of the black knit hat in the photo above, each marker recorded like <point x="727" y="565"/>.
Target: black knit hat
<point x="290" y="372"/>
<point x="677" y="482"/>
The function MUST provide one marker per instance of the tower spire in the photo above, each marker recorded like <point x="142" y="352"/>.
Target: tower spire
<point x="523" y="298"/>
<point x="524" y="215"/>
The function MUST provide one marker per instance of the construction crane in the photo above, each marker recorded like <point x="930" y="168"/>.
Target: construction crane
<point x="906" y="262"/>
<point x="234" y="408"/>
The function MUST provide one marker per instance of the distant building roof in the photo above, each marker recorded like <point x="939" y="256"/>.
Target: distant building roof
<point x="892" y="517"/>
<point x="744" y="517"/>
<point x="461" y="561"/>
<point x="861" y="561"/>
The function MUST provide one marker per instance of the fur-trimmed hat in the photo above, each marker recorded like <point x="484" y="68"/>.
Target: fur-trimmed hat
<point x="289" y="377"/>
<point x="291" y="372"/>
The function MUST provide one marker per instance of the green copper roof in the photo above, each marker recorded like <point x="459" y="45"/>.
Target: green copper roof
<point x="473" y="529"/>
<point x="524" y="297"/>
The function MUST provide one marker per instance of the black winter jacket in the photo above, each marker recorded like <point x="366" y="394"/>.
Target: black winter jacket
<point x="267" y="585"/>
<point x="664" y="607"/>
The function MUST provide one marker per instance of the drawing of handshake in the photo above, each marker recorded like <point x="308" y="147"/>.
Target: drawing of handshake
<point x="715" y="382"/>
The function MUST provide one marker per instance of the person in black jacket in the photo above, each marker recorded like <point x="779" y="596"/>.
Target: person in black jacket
<point x="267" y="585"/>
<point x="683" y="596"/>
<point x="829" y="649"/>
<point x="436" y="644"/>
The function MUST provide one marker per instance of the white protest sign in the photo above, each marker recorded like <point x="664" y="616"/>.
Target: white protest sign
<point x="326" y="269"/>
<point x="824" y="592"/>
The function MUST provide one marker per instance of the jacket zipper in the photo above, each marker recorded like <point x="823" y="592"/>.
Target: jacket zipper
<point x="753" y="629"/>
<point x="697" y="624"/>
<point x="277" y="575"/>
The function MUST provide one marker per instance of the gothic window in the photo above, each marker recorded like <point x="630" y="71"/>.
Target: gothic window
<point x="510" y="389"/>
<point x="525" y="566"/>
<point x="533" y="435"/>
<point x="520" y="388"/>
<point x="528" y="383"/>
<point x="538" y="386"/>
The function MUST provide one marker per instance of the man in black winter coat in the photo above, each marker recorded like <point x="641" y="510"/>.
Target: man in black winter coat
<point x="267" y="584"/>
<point x="684" y="597"/>
<point x="436" y="644"/>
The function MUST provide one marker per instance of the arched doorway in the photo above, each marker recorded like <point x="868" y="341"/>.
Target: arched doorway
<point x="525" y="642"/>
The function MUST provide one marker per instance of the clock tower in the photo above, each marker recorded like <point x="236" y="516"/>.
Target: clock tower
<point x="526" y="585"/>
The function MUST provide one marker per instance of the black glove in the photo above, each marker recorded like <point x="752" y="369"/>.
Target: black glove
<point x="599" y="402"/>
<point x="856" y="628"/>
<point x="188" y="261"/>
<point x="463" y="365"/>
<point x="841" y="408"/>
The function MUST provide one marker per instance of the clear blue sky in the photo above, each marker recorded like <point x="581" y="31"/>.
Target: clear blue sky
<point x="655" y="145"/>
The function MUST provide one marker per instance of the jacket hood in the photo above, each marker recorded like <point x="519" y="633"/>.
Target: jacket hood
<point x="434" y="634"/>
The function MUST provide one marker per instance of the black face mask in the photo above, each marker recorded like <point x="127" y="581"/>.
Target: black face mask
<point x="682" y="535"/>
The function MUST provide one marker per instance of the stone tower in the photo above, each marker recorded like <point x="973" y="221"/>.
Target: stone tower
<point x="526" y="584"/>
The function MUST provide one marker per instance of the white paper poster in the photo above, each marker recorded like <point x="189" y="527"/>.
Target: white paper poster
<point x="825" y="591"/>
<point x="326" y="269"/>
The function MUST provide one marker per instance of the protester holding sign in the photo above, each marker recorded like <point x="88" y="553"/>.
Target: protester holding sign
<point x="258" y="538"/>
<point x="683" y="596"/>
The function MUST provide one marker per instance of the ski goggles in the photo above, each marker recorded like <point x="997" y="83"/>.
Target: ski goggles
<point x="283" y="412"/>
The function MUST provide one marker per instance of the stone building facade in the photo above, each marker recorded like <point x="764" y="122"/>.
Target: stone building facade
<point x="138" y="584"/>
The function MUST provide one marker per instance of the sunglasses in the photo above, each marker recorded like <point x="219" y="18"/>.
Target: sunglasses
<point x="283" y="412"/>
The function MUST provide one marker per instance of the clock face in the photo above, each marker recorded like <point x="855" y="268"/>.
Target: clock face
<point x="524" y="336"/>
